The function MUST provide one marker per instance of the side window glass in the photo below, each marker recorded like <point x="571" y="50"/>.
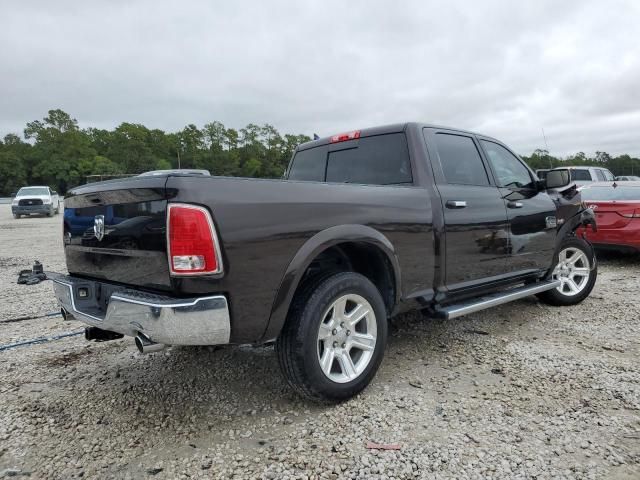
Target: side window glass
<point x="608" y="175"/>
<point x="510" y="171"/>
<point x="600" y="175"/>
<point x="460" y="160"/>
<point x="578" y="174"/>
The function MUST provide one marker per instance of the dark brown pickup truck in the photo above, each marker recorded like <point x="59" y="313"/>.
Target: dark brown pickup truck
<point x="365" y="225"/>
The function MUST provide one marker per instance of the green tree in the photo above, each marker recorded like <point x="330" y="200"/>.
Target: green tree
<point x="61" y="153"/>
<point x="130" y="147"/>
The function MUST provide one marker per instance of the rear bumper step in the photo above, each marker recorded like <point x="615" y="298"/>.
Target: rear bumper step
<point x="160" y="319"/>
<point x="488" y="301"/>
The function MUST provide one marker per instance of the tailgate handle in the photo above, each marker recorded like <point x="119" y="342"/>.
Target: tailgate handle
<point x="456" y="204"/>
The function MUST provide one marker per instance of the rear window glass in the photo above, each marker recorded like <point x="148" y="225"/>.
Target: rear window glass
<point x="610" y="193"/>
<point x="460" y="160"/>
<point x="580" y="175"/>
<point x="309" y="165"/>
<point x="378" y="160"/>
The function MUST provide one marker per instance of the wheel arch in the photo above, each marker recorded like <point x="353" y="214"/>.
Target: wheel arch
<point x="324" y="241"/>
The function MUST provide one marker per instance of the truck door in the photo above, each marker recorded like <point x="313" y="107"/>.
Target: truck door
<point x="475" y="219"/>
<point x="531" y="213"/>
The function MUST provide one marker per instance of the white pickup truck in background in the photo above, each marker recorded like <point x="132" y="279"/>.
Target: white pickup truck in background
<point x="40" y="200"/>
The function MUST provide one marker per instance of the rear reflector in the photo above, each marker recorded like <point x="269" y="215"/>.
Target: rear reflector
<point x="192" y="242"/>
<point x="343" y="137"/>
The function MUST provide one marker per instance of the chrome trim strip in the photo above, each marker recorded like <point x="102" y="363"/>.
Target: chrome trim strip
<point x="458" y="310"/>
<point x="189" y="303"/>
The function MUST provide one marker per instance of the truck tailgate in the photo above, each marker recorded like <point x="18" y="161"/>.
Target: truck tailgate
<point x="117" y="231"/>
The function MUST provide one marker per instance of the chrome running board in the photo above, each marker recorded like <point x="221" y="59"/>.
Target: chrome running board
<point x="488" y="301"/>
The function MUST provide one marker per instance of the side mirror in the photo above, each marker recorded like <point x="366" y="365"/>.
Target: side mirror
<point x="13" y="194"/>
<point x="557" y="178"/>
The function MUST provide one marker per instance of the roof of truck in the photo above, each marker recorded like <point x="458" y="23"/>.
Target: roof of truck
<point x="384" y="129"/>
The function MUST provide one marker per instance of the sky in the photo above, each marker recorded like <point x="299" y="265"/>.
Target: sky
<point x="502" y="68"/>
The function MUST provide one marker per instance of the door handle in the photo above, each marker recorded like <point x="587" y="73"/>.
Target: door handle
<point x="514" y="204"/>
<point x="456" y="204"/>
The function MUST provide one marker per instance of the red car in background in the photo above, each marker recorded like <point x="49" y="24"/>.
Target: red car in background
<point x="617" y="209"/>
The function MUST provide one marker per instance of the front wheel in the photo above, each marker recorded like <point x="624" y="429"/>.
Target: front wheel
<point x="577" y="271"/>
<point x="335" y="336"/>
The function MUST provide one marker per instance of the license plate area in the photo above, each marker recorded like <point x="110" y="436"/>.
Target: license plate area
<point x="92" y="297"/>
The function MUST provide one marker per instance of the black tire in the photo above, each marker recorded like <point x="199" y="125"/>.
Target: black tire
<point x="57" y="209"/>
<point x="298" y="347"/>
<point x="16" y="216"/>
<point x="50" y="212"/>
<point x="562" y="298"/>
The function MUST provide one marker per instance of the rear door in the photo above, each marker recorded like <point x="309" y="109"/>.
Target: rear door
<point x="476" y="226"/>
<point x="531" y="213"/>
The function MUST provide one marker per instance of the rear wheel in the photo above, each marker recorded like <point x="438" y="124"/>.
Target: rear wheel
<point x="577" y="271"/>
<point x="334" y="339"/>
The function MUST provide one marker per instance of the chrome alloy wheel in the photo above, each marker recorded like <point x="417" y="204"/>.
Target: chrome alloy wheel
<point x="573" y="270"/>
<point x="346" y="338"/>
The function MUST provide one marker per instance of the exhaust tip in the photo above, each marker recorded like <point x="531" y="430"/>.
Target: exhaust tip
<point x="145" y="345"/>
<point x="139" y="345"/>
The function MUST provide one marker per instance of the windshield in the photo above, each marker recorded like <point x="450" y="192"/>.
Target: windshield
<point x="33" y="191"/>
<point x="604" y="193"/>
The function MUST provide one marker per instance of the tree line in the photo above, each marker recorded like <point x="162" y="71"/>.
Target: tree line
<point x="55" y="151"/>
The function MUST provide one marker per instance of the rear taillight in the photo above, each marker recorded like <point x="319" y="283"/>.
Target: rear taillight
<point x="343" y="137"/>
<point x="192" y="242"/>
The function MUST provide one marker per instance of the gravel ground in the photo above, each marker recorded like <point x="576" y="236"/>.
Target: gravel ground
<point x="519" y="391"/>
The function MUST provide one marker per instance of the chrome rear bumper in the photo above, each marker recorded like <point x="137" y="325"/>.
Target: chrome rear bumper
<point x="172" y="321"/>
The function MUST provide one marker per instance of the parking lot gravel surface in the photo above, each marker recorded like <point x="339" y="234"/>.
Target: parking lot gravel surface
<point x="519" y="391"/>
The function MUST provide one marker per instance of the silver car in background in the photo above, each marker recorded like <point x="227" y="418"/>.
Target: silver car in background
<point x="40" y="200"/>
